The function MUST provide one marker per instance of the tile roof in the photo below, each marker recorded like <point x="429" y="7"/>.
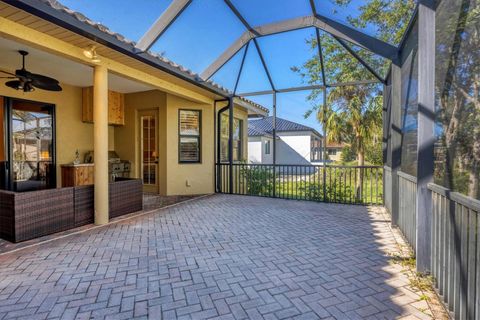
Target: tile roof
<point x="266" y="125"/>
<point x="254" y="132"/>
<point x="55" y="4"/>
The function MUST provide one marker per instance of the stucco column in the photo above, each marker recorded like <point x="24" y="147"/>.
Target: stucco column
<point x="100" y="143"/>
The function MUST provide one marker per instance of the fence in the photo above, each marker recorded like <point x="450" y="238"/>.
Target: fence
<point x="456" y="251"/>
<point x="338" y="184"/>
<point x="407" y="207"/>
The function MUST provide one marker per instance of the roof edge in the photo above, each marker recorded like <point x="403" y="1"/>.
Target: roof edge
<point x="55" y="12"/>
<point x="252" y="106"/>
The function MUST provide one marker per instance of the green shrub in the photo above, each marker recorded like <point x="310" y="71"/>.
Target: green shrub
<point x="337" y="191"/>
<point x="259" y="180"/>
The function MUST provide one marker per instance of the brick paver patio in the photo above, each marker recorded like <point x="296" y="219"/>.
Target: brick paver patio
<point x="222" y="256"/>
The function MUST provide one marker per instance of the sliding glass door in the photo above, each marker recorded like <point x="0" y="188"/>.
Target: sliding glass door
<point x="31" y="147"/>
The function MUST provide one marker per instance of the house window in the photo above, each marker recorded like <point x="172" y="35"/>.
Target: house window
<point x="315" y="149"/>
<point x="332" y="152"/>
<point x="189" y="130"/>
<point x="267" y="147"/>
<point x="237" y="139"/>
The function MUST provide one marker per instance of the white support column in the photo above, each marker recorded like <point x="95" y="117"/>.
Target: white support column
<point x="100" y="143"/>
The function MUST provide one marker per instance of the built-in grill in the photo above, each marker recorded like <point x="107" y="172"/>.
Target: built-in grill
<point x="117" y="168"/>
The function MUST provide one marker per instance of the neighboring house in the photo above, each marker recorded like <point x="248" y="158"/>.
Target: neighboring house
<point x="334" y="151"/>
<point x="260" y="145"/>
<point x="296" y="143"/>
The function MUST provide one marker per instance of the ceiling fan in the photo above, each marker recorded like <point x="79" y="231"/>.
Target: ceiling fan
<point x="28" y="81"/>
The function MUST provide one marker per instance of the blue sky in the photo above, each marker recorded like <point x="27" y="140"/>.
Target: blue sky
<point x="207" y="27"/>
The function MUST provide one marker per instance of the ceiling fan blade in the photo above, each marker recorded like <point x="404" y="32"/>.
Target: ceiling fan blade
<point x="12" y="74"/>
<point x="47" y="86"/>
<point x="27" y="81"/>
<point x="38" y="78"/>
<point x="15" y="84"/>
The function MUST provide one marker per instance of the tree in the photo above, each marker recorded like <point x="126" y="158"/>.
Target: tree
<point x="458" y="90"/>
<point x="353" y="114"/>
<point x="347" y="154"/>
<point x="374" y="153"/>
<point x="390" y="18"/>
<point x="354" y="118"/>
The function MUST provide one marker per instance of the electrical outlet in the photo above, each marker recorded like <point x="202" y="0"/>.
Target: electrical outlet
<point x="187" y="183"/>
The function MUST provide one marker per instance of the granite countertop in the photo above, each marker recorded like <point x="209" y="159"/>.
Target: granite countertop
<point x="77" y="165"/>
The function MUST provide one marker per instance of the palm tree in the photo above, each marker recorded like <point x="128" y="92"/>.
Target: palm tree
<point x="353" y="116"/>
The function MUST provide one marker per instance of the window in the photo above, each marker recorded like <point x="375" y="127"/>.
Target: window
<point x="267" y="147"/>
<point x="237" y="139"/>
<point x="224" y="138"/>
<point x="189" y="136"/>
<point x="315" y="149"/>
<point x="332" y="152"/>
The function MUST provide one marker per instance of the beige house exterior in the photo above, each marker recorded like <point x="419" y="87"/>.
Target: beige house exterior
<point x="334" y="151"/>
<point x="149" y="84"/>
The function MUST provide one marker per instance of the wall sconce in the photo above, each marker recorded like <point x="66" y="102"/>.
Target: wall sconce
<point x="91" y="53"/>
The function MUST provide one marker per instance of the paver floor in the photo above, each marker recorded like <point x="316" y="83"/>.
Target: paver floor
<point x="228" y="257"/>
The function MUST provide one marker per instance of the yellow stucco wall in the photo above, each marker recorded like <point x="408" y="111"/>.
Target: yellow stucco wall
<point x="71" y="132"/>
<point x="127" y="137"/>
<point x="173" y="176"/>
<point x="199" y="176"/>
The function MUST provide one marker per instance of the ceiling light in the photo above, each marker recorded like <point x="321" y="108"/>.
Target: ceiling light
<point x="91" y="53"/>
<point x="28" y="87"/>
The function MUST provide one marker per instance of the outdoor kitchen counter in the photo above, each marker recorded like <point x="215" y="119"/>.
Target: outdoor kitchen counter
<point x="72" y="165"/>
<point x="74" y="175"/>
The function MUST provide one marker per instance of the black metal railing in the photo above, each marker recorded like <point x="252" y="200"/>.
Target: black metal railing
<point x="338" y="184"/>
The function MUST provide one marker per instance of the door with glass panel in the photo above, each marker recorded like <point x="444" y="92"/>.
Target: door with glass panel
<point x="148" y="121"/>
<point x="31" y="155"/>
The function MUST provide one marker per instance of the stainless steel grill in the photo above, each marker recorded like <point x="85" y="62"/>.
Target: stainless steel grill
<point x="117" y="168"/>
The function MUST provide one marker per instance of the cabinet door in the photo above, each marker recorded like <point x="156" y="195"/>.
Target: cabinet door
<point x="87" y="104"/>
<point x="68" y="177"/>
<point x="115" y="108"/>
<point x="89" y="179"/>
<point x="83" y="176"/>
